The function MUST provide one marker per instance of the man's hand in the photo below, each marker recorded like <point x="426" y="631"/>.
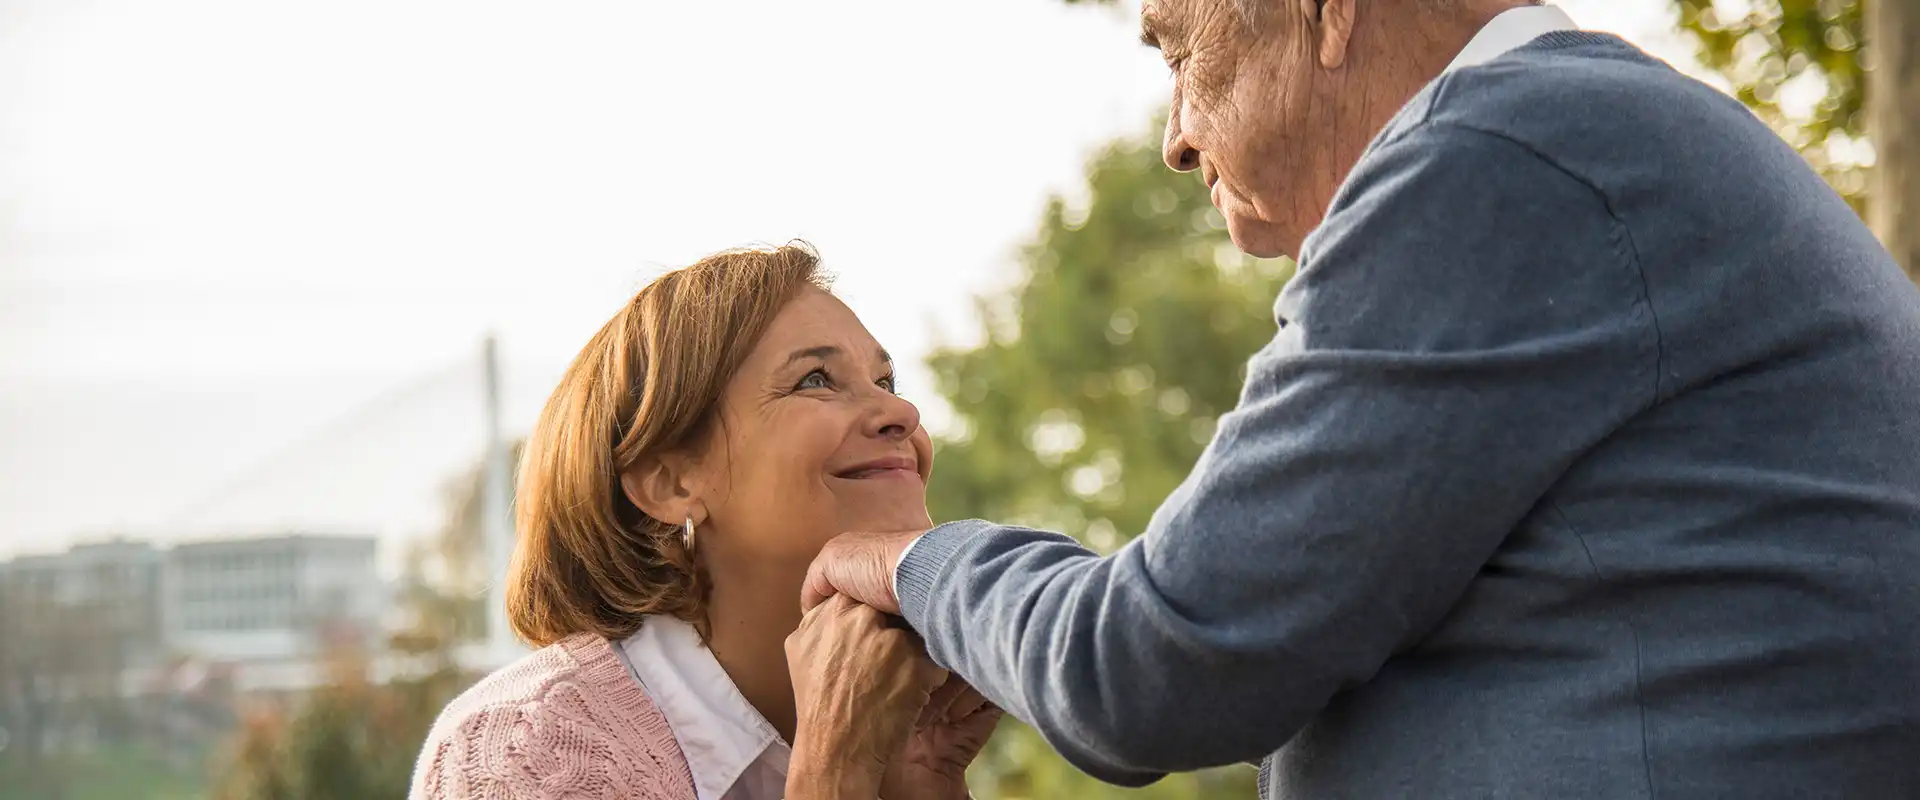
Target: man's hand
<point x="860" y="566"/>
<point x="952" y="729"/>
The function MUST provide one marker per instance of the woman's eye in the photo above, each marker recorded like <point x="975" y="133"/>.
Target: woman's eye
<point x="890" y="384"/>
<point x="816" y="379"/>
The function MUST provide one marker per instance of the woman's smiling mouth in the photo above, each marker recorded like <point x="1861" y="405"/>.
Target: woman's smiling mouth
<point x="888" y="467"/>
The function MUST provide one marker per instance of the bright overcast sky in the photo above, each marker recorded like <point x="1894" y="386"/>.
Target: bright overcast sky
<point x="225" y="224"/>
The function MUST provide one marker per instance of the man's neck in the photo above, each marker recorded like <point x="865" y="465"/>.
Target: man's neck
<point x="1407" y="49"/>
<point x="1444" y="35"/>
<point x="752" y="611"/>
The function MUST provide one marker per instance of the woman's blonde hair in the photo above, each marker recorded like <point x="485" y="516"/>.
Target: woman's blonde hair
<point x="649" y="383"/>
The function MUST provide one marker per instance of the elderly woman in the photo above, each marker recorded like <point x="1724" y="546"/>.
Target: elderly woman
<point x="696" y="456"/>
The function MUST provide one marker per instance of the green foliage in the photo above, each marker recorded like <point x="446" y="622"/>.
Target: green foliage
<point x="348" y="740"/>
<point x="1101" y="374"/>
<point x="1094" y="389"/>
<point x="444" y="586"/>
<point x="1762" y="46"/>
<point x="1020" y="766"/>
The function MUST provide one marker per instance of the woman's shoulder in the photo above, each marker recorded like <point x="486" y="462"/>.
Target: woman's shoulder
<point x="580" y="668"/>
<point x="567" y="720"/>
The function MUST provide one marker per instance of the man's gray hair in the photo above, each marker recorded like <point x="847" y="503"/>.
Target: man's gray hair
<point x="1252" y="11"/>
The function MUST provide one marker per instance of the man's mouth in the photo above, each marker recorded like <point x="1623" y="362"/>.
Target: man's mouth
<point x="891" y="466"/>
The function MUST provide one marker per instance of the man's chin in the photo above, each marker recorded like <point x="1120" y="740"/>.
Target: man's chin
<point x="1258" y="239"/>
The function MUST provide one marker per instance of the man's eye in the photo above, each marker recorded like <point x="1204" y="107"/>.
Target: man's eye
<point x="889" y="383"/>
<point x="816" y="379"/>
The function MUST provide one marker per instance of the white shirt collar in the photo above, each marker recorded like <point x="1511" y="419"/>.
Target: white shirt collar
<point x="734" y="753"/>
<point x="1511" y="29"/>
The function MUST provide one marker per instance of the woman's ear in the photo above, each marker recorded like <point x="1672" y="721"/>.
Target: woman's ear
<point x="661" y="487"/>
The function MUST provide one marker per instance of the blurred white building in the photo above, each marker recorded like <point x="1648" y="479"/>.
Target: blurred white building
<point x="256" y="600"/>
<point x="113" y="585"/>
<point x="284" y="598"/>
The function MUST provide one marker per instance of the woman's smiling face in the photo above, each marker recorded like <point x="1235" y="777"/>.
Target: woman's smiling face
<point x="812" y="442"/>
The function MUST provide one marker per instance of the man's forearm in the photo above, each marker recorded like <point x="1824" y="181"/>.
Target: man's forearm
<point x="1027" y="640"/>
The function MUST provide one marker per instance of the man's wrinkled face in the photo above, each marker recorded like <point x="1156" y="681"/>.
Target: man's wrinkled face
<point x="1247" y="115"/>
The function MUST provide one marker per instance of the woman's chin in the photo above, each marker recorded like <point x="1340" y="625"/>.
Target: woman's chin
<point x="886" y="520"/>
<point x="883" y="506"/>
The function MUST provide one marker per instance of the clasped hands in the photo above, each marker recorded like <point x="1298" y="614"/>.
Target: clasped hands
<point x="876" y="717"/>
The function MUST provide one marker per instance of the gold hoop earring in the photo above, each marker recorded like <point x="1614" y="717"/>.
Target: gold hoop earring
<point x="686" y="535"/>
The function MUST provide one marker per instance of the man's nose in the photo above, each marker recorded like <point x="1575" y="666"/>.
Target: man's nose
<point x="1180" y="156"/>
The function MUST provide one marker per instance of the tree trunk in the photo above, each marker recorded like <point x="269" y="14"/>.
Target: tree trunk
<point x="1893" y="123"/>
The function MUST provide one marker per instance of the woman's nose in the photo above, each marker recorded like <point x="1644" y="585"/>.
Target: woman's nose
<point x="893" y="417"/>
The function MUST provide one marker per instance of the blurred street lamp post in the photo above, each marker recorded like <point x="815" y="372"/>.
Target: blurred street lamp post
<point x="496" y="526"/>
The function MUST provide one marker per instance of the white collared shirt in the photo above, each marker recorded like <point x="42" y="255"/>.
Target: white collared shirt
<point x="1511" y="29"/>
<point x="734" y="753"/>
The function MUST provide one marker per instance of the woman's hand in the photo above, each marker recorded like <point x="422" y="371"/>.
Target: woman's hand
<point x="858" y="687"/>
<point x="949" y="734"/>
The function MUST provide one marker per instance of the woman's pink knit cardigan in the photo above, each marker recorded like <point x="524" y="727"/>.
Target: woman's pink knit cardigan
<point x="567" y="722"/>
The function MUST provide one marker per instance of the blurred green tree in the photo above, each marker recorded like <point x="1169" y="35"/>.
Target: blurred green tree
<point x="1858" y="61"/>
<point x="1098" y="378"/>
<point x="254" y="773"/>
<point x="1771" y="50"/>
<point x="351" y="739"/>
<point x="444" y="586"/>
<point x="1093" y="389"/>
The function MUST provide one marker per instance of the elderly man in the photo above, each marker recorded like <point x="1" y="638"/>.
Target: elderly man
<point x="1585" y="462"/>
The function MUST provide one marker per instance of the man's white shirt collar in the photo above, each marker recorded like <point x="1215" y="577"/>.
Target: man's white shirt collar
<point x="734" y="753"/>
<point x="1512" y="29"/>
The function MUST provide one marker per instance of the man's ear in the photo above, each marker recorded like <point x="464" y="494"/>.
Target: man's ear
<point x="662" y="488"/>
<point x="1335" y="28"/>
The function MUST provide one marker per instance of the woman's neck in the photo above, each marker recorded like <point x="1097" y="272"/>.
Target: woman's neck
<point x="752" y="611"/>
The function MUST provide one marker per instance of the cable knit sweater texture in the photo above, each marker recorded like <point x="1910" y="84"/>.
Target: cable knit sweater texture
<point x="567" y="722"/>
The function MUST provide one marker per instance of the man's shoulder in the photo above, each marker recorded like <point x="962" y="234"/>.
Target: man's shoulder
<point x="1568" y="94"/>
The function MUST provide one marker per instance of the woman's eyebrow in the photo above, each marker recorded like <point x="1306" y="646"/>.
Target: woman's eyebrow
<point x="822" y="352"/>
<point x="826" y="352"/>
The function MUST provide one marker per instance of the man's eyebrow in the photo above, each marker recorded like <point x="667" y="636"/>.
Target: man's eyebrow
<point x="1149" y="32"/>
